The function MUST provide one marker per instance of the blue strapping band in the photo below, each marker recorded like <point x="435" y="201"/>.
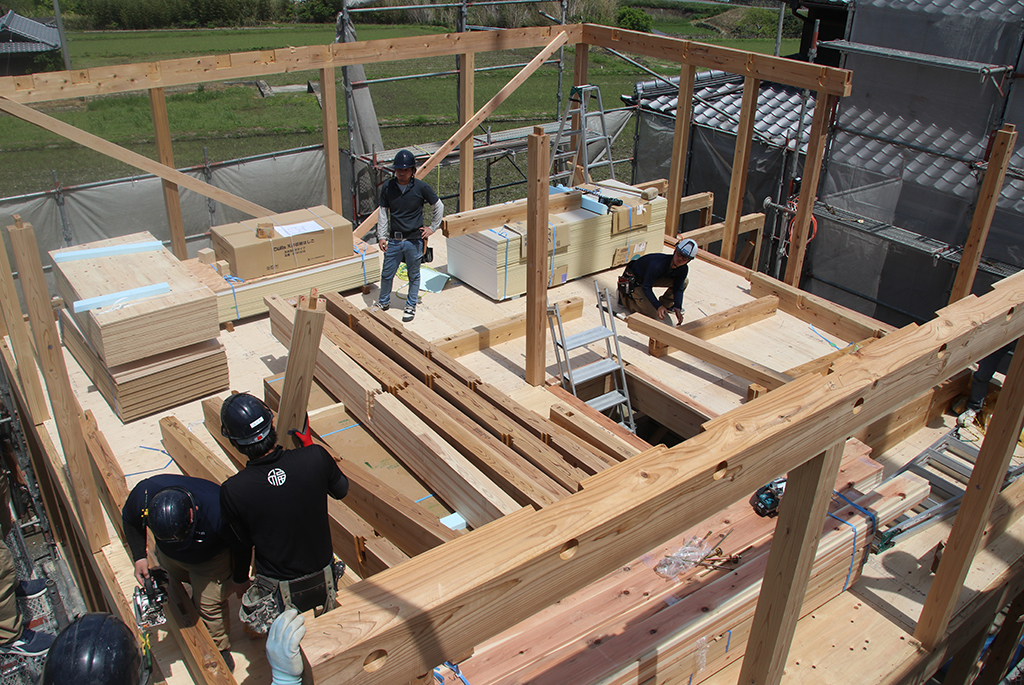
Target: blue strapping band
<point x="823" y="337"/>
<point x="231" y="281"/>
<point x="728" y="641"/>
<point x="455" y="669"/>
<point x="155" y="449"/>
<point x="690" y="681"/>
<point x="340" y="430"/>
<point x="424" y="497"/>
<point x="870" y="515"/>
<point x="362" y="261"/>
<point x="437" y="675"/>
<point x="853" y="555"/>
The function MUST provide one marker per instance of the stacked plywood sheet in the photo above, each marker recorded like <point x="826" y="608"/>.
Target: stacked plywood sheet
<point x="143" y="329"/>
<point x="581" y="242"/>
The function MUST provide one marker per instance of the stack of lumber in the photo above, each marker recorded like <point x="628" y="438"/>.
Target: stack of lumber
<point x="634" y="623"/>
<point x="492" y="260"/>
<point x="140" y="326"/>
<point x="238" y="299"/>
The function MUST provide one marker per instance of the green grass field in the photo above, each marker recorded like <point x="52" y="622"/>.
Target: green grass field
<point x="231" y="121"/>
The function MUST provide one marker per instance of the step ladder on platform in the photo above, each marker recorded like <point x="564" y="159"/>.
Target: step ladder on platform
<point x="564" y="160"/>
<point x="947" y="465"/>
<point x="616" y="397"/>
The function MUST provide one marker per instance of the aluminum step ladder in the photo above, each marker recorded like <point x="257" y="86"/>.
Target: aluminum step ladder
<point x="609" y="366"/>
<point x="563" y="160"/>
<point x="947" y="465"/>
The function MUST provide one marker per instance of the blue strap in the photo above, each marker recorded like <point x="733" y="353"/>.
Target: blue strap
<point x="455" y="669"/>
<point x="853" y="555"/>
<point x="155" y="449"/>
<point x="231" y="281"/>
<point x="871" y="516"/>
<point x="340" y="430"/>
<point x="362" y="261"/>
<point x="728" y="641"/>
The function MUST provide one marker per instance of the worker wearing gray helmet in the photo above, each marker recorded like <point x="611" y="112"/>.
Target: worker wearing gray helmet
<point x="642" y="275"/>
<point x="401" y="234"/>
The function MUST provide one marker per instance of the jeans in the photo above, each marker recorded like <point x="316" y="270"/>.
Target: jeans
<point x="986" y="369"/>
<point x="408" y="251"/>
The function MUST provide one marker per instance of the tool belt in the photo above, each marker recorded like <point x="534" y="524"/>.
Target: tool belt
<point x="267" y="598"/>
<point x="627" y="282"/>
<point x="399" y="235"/>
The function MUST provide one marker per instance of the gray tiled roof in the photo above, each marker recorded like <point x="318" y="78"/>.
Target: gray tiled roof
<point x="29" y="32"/>
<point x="718" y="97"/>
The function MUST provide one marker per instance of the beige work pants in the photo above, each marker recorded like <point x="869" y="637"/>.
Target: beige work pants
<point x="209" y="581"/>
<point x="10" y="617"/>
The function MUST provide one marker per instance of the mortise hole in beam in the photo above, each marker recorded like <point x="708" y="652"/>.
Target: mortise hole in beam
<point x="720" y="470"/>
<point x="569" y="549"/>
<point x="1009" y="314"/>
<point x="857" y="405"/>
<point x="375" y="661"/>
<point x="942" y="351"/>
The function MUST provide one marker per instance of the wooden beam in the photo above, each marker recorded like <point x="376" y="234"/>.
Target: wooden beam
<point x="823" y="364"/>
<point x="24" y="354"/>
<point x="680" y="146"/>
<point x="190" y="454"/>
<point x="1004" y="646"/>
<point x="732" y="319"/>
<point x="495" y="332"/>
<point x="710" y="233"/>
<point x="467" y="128"/>
<point x="634" y="444"/>
<point x="593" y="433"/>
<point x="979" y="498"/>
<point x="984" y="210"/>
<point x="115" y="492"/>
<point x="484" y="218"/>
<point x="809" y="187"/>
<point x="740" y="166"/>
<point x="467" y="104"/>
<point x="165" y="154"/>
<point x="666" y="405"/>
<point x="66" y="409"/>
<point x="106" y="80"/>
<point x="794" y="545"/>
<point x="307" y="327"/>
<point x="830" y="317"/>
<point x="134" y="159"/>
<point x="694" y="346"/>
<point x="332" y="159"/>
<point x="630" y="508"/>
<point x="703" y="55"/>
<point x="539" y="159"/>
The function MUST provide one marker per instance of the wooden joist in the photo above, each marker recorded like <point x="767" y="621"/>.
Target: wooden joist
<point x="705" y="235"/>
<point x="630" y="508"/>
<point x="592" y="432"/>
<point x="732" y="319"/>
<point x="496" y="332"/>
<point x="307" y="327"/>
<point x="830" y="317"/>
<point x="694" y="346"/>
<point x="666" y="405"/>
<point x="481" y="219"/>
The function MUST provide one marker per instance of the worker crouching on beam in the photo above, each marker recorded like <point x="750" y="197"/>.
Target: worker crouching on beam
<point x="642" y="275"/>
<point x="277" y="505"/>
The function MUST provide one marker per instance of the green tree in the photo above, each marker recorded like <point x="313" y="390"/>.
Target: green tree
<point x="634" y="19"/>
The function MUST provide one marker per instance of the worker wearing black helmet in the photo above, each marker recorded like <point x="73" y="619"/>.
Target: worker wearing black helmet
<point x="277" y="504"/>
<point x="642" y="275"/>
<point x="193" y="544"/>
<point x="400" y="230"/>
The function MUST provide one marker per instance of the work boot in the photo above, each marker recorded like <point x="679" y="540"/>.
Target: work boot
<point x="30" y="643"/>
<point x="966" y="418"/>
<point x="410" y="313"/>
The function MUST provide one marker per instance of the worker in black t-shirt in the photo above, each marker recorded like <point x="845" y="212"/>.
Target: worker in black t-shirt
<point x="277" y="505"/>
<point x="642" y="275"/>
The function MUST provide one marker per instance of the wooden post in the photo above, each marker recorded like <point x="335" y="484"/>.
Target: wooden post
<point x="980" y="496"/>
<point x="332" y="162"/>
<point x="467" y="84"/>
<point x="580" y="77"/>
<point x="680" y="144"/>
<point x="809" y="187"/>
<point x="740" y="164"/>
<point x="984" y="210"/>
<point x="801" y="517"/>
<point x="17" y="328"/>
<point x="1004" y="645"/>
<point x="165" y="153"/>
<point x="298" y="376"/>
<point x="539" y="145"/>
<point x="65" y="405"/>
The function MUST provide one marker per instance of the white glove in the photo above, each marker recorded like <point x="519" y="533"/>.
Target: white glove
<point x="283" y="653"/>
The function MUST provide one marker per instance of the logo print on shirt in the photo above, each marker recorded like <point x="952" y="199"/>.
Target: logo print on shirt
<point x="277" y="477"/>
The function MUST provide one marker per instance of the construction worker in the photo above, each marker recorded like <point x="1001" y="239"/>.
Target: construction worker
<point x="979" y="384"/>
<point x="96" y="649"/>
<point x="193" y="544"/>
<point x="401" y="234"/>
<point x="643" y="274"/>
<point x="277" y="504"/>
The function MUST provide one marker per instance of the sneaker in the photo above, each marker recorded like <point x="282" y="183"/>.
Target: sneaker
<point x="966" y="418"/>
<point x="31" y="643"/>
<point x="410" y="314"/>
<point x="381" y="306"/>
<point x="30" y="589"/>
<point x="229" y="660"/>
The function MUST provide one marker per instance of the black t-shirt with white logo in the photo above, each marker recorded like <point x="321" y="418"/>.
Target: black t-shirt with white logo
<point x="278" y="504"/>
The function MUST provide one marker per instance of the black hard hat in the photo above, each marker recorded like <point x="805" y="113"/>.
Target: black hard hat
<point x="97" y="649"/>
<point x="171" y="514"/>
<point x="245" y="419"/>
<point x="404" y="160"/>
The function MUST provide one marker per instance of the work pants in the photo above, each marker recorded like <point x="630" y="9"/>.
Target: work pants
<point x="637" y="302"/>
<point x="410" y="252"/>
<point x="209" y="581"/>
<point x="986" y="369"/>
<point x="10" y="618"/>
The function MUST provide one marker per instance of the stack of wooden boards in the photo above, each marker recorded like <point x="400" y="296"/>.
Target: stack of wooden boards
<point x="140" y="326"/>
<point x="492" y="260"/>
